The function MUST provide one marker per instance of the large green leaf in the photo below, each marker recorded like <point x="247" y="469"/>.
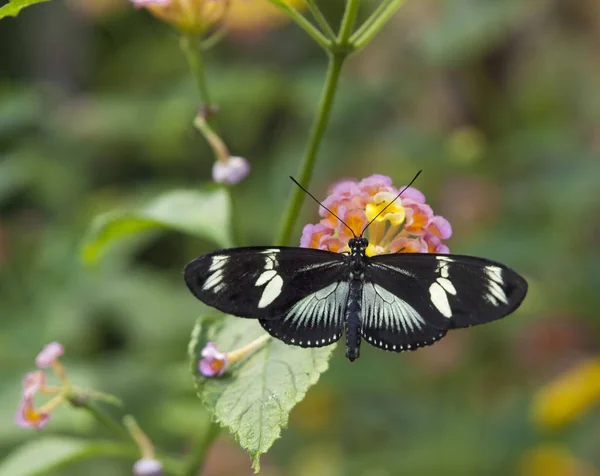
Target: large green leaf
<point x="255" y="396"/>
<point x="202" y="213"/>
<point x="40" y="456"/>
<point x="15" y="6"/>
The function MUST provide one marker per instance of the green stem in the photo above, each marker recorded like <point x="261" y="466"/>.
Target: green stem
<point x="308" y="162"/>
<point x="193" y="54"/>
<point x="360" y="41"/>
<point x="369" y="21"/>
<point x="320" y="18"/>
<point x="198" y="453"/>
<point x="105" y="419"/>
<point x="171" y="465"/>
<point x="303" y="23"/>
<point x="348" y="22"/>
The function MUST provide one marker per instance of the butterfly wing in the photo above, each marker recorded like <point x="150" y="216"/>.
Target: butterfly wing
<point x="298" y="294"/>
<point x="411" y="299"/>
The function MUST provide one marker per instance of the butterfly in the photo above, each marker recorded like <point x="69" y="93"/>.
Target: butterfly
<point x="397" y="302"/>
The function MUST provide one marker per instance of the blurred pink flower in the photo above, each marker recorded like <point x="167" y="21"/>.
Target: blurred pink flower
<point x="147" y="467"/>
<point x="28" y="416"/>
<point x="230" y="170"/>
<point x="213" y="362"/>
<point x="33" y="382"/>
<point x="49" y="354"/>
<point x="189" y="16"/>
<point x="408" y="225"/>
<point x="145" y="3"/>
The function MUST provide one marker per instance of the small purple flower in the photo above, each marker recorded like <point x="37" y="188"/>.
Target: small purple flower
<point x="147" y="467"/>
<point x="28" y="417"/>
<point x="49" y="354"/>
<point x="230" y="170"/>
<point x="213" y="362"/>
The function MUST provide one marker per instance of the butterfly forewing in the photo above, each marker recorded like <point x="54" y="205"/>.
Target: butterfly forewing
<point x="410" y="300"/>
<point x="267" y="282"/>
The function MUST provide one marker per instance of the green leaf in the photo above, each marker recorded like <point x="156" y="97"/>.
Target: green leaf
<point x="202" y="213"/>
<point x="15" y="6"/>
<point x="255" y="396"/>
<point x="40" y="456"/>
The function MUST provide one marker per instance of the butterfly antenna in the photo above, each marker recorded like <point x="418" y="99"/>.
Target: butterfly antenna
<point x="313" y="197"/>
<point x="385" y="208"/>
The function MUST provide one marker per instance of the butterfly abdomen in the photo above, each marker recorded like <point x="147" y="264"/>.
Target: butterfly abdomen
<point x="353" y="312"/>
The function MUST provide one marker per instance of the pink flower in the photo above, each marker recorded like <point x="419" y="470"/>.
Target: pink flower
<point x="213" y="362"/>
<point x="403" y="244"/>
<point x="435" y="245"/>
<point x="376" y="183"/>
<point x="147" y="467"/>
<point x="418" y="217"/>
<point x="49" y="354"/>
<point x="406" y="225"/>
<point x="312" y="235"/>
<point x="33" y="382"/>
<point x="413" y="194"/>
<point x="440" y="227"/>
<point x="231" y="170"/>
<point x="28" y="417"/>
<point x="145" y="3"/>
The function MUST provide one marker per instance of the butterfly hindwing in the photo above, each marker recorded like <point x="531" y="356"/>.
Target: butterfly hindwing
<point x="315" y="320"/>
<point x="263" y="282"/>
<point x="393" y="323"/>
<point x="411" y="299"/>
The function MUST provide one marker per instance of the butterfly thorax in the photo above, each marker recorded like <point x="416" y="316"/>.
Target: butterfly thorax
<point x="357" y="262"/>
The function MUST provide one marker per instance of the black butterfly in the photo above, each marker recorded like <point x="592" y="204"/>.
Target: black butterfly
<point x="396" y="302"/>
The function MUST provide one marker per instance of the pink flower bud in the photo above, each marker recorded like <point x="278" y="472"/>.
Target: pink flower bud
<point x="231" y="170"/>
<point x="147" y="467"/>
<point x="49" y="354"/>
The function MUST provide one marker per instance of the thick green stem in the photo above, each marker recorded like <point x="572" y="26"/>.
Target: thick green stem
<point x="318" y="129"/>
<point x="194" y="56"/>
<point x="197" y="455"/>
<point x="359" y="41"/>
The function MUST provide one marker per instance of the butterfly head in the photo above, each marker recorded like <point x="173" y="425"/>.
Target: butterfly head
<point x="358" y="245"/>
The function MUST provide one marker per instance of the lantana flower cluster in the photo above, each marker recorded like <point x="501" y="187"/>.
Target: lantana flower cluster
<point x="408" y="225"/>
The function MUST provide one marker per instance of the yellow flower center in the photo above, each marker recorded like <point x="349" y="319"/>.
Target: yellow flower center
<point x="394" y="213"/>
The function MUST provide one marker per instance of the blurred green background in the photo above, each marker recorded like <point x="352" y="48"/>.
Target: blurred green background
<point x="496" y="100"/>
